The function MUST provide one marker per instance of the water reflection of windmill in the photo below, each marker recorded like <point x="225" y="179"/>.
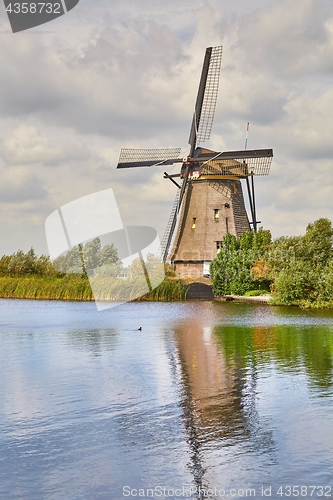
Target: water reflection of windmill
<point x="220" y="407"/>
<point x="209" y="202"/>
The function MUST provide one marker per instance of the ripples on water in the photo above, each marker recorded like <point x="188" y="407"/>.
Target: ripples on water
<point x="207" y="395"/>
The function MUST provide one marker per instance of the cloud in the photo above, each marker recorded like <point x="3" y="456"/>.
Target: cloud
<point x="25" y="145"/>
<point x="127" y="76"/>
<point x="18" y="185"/>
<point x="310" y="125"/>
<point x="106" y="85"/>
<point x="284" y="38"/>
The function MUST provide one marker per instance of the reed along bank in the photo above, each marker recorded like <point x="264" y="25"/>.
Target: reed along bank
<point x="78" y="288"/>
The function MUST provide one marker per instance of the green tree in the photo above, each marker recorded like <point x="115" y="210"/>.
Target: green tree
<point x="108" y="255"/>
<point x="232" y="269"/>
<point x="318" y="241"/>
<point x="21" y="263"/>
<point x="302" y="266"/>
<point x="295" y="283"/>
<point x="89" y="259"/>
<point x="91" y="255"/>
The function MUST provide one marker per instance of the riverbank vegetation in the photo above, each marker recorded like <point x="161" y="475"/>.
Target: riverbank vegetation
<point x="298" y="270"/>
<point x="45" y="287"/>
<point x="78" y="288"/>
<point x="28" y="276"/>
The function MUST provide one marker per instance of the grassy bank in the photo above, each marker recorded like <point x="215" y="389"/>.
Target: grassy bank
<point x="73" y="287"/>
<point x="45" y="287"/>
<point x="168" y="290"/>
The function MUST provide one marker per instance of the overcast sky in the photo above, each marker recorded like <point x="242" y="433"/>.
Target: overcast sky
<point x="115" y="73"/>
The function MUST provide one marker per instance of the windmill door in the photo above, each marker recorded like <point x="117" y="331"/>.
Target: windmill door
<point x="206" y="270"/>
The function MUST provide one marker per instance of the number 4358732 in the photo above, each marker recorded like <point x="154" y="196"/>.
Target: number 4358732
<point x="34" y="8"/>
<point x="305" y="491"/>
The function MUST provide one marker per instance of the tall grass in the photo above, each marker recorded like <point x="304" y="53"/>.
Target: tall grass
<point x="168" y="290"/>
<point x="73" y="287"/>
<point x="45" y="287"/>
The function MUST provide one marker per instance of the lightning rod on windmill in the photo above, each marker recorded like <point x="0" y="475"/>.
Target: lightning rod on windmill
<point x="247" y="135"/>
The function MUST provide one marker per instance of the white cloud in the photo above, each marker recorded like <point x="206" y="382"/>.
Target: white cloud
<point x="102" y="78"/>
<point x="17" y="185"/>
<point x="25" y="145"/>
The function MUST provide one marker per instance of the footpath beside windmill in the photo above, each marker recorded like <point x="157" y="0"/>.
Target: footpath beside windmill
<point x="209" y="202"/>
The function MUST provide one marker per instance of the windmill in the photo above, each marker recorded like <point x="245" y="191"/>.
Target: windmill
<point x="209" y="201"/>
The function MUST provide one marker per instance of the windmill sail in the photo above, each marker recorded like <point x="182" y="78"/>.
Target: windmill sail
<point x="173" y="218"/>
<point x="202" y="119"/>
<point x="240" y="163"/>
<point x="165" y="244"/>
<point x="130" y="158"/>
<point x="206" y="99"/>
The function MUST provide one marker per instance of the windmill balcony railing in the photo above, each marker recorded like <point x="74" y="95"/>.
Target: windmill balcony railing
<point x="239" y="168"/>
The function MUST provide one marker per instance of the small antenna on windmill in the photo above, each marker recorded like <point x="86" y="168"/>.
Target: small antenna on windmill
<point x="247" y="135"/>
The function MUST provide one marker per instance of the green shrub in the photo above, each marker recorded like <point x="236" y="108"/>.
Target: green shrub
<point x="232" y="269"/>
<point x="255" y="293"/>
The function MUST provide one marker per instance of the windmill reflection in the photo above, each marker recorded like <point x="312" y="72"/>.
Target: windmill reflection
<point x="218" y="402"/>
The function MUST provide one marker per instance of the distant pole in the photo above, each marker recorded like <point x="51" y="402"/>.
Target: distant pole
<point x="247" y="135"/>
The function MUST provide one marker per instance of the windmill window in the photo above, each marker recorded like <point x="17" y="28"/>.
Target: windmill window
<point x="193" y="222"/>
<point x="216" y="214"/>
<point x="218" y="246"/>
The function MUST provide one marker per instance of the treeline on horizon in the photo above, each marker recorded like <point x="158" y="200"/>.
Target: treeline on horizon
<point x="81" y="260"/>
<point x="298" y="270"/>
<point x="27" y="275"/>
<point x="23" y="264"/>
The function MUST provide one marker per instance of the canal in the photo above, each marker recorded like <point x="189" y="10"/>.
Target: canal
<point x="208" y="400"/>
